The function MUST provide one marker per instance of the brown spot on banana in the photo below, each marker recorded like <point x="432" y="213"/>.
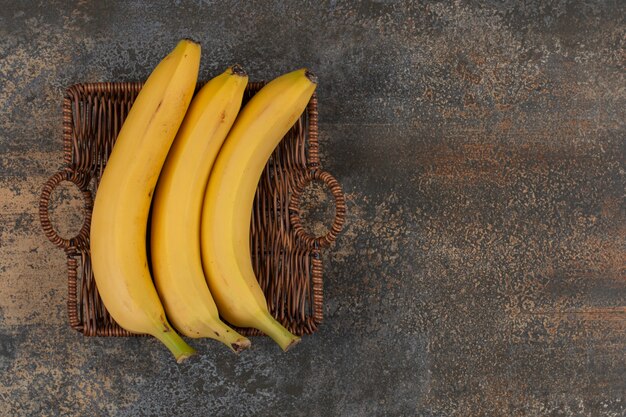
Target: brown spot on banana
<point x="166" y="328"/>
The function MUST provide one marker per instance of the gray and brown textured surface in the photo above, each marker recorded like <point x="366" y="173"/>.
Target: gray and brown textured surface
<point x="482" y="269"/>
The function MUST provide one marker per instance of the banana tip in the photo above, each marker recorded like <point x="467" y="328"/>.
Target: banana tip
<point x="240" y="345"/>
<point x="310" y="75"/>
<point x="291" y="344"/>
<point x="182" y="358"/>
<point x="191" y="40"/>
<point x="238" y="70"/>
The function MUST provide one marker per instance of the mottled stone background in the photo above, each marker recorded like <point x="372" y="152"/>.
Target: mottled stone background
<point x="481" y="145"/>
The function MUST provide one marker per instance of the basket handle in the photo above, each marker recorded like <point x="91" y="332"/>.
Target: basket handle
<point x="81" y="240"/>
<point x="340" y="209"/>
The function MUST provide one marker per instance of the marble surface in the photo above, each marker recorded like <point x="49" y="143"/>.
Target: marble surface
<point x="481" y="149"/>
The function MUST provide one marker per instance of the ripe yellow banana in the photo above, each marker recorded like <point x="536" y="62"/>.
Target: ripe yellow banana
<point x="120" y="213"/>
<point x="175" y="231"/>
<point x="227" y="208"/>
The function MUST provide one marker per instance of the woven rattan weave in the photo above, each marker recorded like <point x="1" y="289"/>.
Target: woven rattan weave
<point x="286" y="259"/>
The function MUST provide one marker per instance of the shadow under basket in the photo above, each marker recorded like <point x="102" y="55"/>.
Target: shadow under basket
<point x="286" y="259"/>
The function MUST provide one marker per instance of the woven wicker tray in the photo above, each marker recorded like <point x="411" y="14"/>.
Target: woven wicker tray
<point x="286" y="259"/>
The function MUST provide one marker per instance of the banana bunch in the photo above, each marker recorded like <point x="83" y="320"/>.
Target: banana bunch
<point x="202" y="160"/>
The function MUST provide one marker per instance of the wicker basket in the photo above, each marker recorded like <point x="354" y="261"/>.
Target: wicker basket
<point x="286" y="259"/>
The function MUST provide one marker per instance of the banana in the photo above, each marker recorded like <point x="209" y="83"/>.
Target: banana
<point x="120" y="213"/>
<point x="175" y="230"/>
<point x="227" y="207"/>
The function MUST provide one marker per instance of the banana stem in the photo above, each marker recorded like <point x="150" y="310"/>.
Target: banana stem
<point x="285" y="339"/>
<point x="219" y="331"/>
<point x="179" y="348"/>
<point x="234" y="340"/>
